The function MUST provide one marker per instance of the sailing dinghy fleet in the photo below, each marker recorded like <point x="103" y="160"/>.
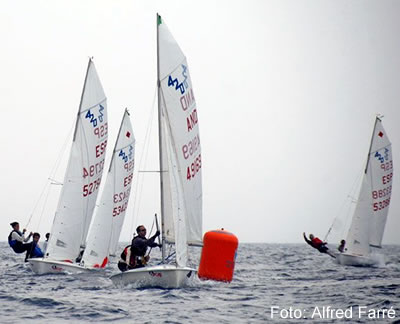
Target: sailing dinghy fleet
<point x="72" y="248"/>
<point x="83" y="237"/>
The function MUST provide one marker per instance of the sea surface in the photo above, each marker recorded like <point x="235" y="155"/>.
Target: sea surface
<point x="286" y="283"/>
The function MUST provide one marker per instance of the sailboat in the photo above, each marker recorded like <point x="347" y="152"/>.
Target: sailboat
<point x="371" y="211"/>
<point x="81" y="181"/>
<point x="107" y="223"/>
<point x="180" y="169"/>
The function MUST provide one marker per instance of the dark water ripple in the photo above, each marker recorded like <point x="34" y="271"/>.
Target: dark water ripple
<point x="284" y="276"/>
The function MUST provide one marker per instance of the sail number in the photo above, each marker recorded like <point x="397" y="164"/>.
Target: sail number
<point x="101" y="130"/>
<point x="120" y="209"/>
<point x="129" y="165"/>
<point x="91" y="187"/>
<point x="101" y="149"/>
<point x="93" y="169"/>
<point x="387" y="166"/>
<point x="194" y="168"/>
<point x="190" y="148"/>
<point x="381" y="204"/>
<point x="122" y="196"/>
<point x="128" y="179"/>
<point x="387" y="178"/>
<point x="382" y="192"/>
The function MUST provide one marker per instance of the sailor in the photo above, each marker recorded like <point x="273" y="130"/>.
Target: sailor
<point x="34" y="251"/>
<point x="134" y="256"/>
<point x="341" y="247"/>
<point x="316" y="243"/>
<point x="45" y="243"/>
<point x="17" y="240"/>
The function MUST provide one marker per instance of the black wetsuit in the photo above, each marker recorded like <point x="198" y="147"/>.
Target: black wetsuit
<point x="138" y="250"/>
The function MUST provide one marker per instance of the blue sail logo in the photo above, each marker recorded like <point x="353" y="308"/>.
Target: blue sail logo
<point x="181" y="86"/>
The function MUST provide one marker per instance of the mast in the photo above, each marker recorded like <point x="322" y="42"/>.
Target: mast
<point x="160" y="142"/>
<point x="119" y="134"/>
<point x="83" y="238"/>
<point x="370" y="144"/>
<point x="80" y="103"/>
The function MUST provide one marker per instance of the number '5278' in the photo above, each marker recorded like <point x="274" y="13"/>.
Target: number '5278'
<point x="89" y="188"/>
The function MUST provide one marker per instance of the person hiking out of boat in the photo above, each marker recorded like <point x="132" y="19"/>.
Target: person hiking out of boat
<point x="34" y="251"/>
<point x="17" y="240"/>
<point x="316" y="243"/>
<point x="341" y="247"/>
<point x="140" y="243"/>
<point x="44" y="246"/>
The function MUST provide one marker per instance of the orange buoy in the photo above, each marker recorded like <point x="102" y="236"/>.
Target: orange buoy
<point x="218" y="256"/>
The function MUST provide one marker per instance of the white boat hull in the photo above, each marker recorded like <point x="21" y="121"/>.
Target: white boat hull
<point x="164" y="276"/>
<point x="356" y="260"/>
<point x="45" y="266"/>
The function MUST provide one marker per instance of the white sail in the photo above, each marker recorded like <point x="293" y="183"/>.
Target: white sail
<point x="84" y="172"/>
<point x="180" y="168"/>
<point x="178" y="208"/>
<point x="380" y="171"/>
<point x="357" y="241"/>
<point x="109" y="217"/>
<point x="372" y="207"/>
<point x="181" y="143"/>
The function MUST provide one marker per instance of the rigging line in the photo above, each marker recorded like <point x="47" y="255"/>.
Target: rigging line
<point x="62" y="150"/>
<point x="350" y="195"/>
<point x="144" y="154"/>
<point x="97" y="209"/>
<point x="151" y="230"/>
<point x="36" y="204"/>
<point x="44" y="206"/>
<point x="52" y="172"/>
<point x="356" y="187"/>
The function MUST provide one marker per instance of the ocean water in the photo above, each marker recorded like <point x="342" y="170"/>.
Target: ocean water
<point x="272" y="283"/>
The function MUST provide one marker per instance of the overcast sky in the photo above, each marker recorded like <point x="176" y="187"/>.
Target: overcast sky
<point x="286" y="92"/>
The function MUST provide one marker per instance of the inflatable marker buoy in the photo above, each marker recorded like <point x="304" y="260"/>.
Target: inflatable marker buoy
<point x="218" y="256"/>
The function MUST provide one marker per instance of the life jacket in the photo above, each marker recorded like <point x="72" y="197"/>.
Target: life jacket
<point x="124" y="252"/>
<point x="14" y="244"/>
<point x="316" y="242"/>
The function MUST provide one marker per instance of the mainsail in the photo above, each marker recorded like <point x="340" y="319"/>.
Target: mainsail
<point x="181" y="179"/>
<point x="84" y="172"/>
<point x="107" y="223"/>
<point x="369" y="219"/>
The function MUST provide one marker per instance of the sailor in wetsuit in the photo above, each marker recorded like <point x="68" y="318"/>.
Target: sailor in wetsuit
<point x="135" y="256"/>
<point x="316" y="243"/>
<point x="17" y="240"/>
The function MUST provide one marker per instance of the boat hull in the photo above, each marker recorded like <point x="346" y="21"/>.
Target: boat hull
<point x="163" y="276"/>
<point x="355" y="260"/>
<point x="45" y="266"/>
